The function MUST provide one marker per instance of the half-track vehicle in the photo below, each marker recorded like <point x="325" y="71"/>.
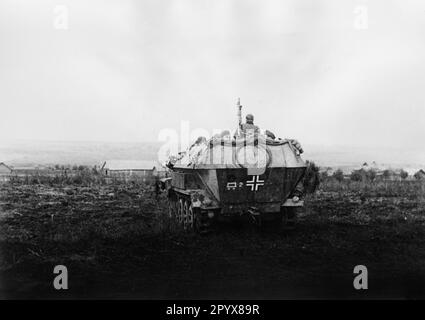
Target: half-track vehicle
<point x="244" y="175"/>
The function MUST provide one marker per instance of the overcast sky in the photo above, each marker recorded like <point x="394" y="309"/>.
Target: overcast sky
<point x="324" y="72"/>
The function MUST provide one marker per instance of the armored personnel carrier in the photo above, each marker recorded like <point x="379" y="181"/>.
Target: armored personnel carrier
<point x="245" y="175"/>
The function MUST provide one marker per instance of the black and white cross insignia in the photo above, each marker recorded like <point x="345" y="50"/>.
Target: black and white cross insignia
<point x="255" y="183"/>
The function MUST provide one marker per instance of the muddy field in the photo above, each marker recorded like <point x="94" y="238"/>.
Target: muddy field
<point x="117" y="242"/>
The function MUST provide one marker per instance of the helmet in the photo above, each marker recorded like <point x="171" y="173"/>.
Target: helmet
<point x="249" y="117"/>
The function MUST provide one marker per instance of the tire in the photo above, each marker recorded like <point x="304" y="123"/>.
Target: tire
<point x="187" y="211"/>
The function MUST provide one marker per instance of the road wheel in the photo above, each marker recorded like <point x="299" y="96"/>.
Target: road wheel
<point x="185" y="214"/>
<point x="190" y="217"/>
<point x="180" y="212"/>
<point x="176" y="204"/>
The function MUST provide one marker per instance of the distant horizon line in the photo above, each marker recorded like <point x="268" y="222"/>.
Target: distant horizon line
<point x="158" y="142"/>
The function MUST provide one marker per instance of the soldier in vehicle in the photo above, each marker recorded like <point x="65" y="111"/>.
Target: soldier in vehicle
<point x="249" y="128"/>
<point x="224" y="135"/>
<point x="270" y="134"/>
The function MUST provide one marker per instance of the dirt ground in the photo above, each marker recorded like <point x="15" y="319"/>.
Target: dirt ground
<point x="117" y="242"/>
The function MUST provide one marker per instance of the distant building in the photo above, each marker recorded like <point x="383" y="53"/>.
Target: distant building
<point x="5" y="169"/>
<point x="28" y="171"/>
<point x="127" y="169"/>
<point x="5" y="172"/>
